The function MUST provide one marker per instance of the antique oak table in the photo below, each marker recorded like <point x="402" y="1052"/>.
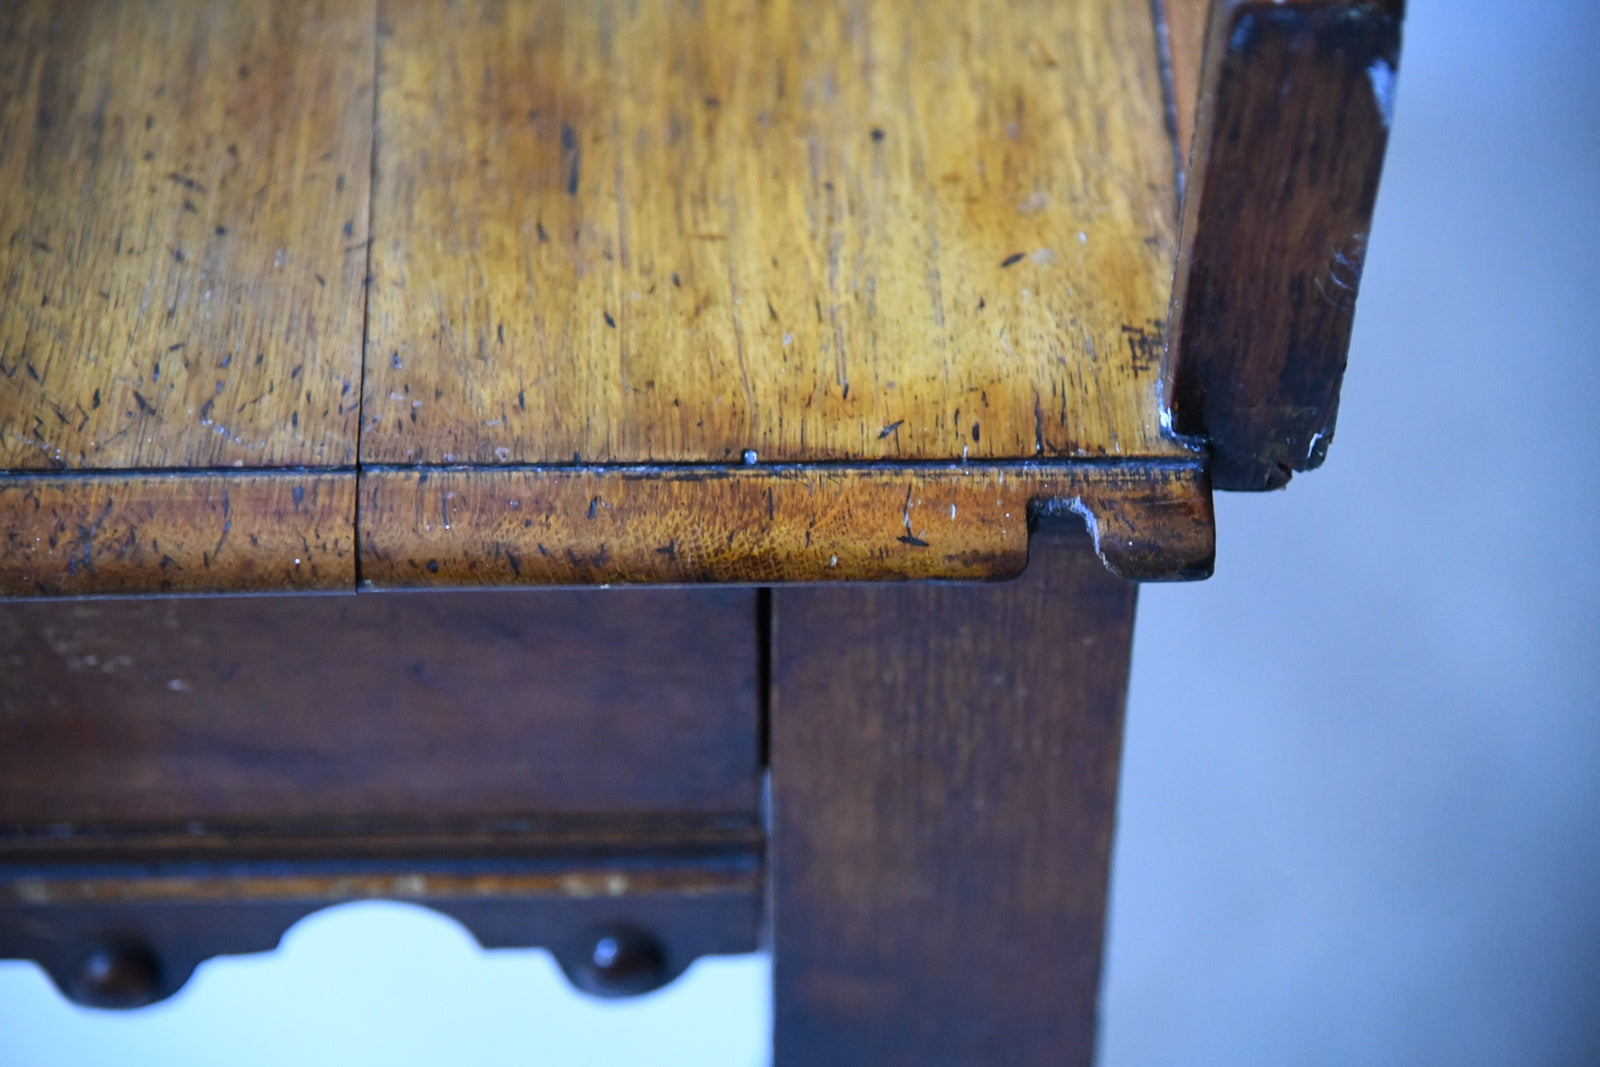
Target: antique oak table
<point x="898" y="340"/>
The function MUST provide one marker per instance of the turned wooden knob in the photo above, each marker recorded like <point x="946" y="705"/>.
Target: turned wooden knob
<point x="118" y="975"/>
<point x="623" y="962"/>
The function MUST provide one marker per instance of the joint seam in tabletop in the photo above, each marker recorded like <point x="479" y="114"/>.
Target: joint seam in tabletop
<point x="366" y="277"/>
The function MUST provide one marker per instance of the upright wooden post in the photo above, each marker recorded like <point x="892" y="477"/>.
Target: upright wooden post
<point x="944" y="767"/>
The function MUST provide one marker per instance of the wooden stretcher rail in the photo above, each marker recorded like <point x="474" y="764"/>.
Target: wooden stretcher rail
<point x="665" y="908"/>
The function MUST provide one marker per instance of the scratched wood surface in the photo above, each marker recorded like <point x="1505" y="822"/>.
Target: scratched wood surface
<point x="511" y="526"/>
<point x="625" y="238"/>
<point x="181" y="231"/>
<point x="678" y="232"/>
<point x="206" y="532"/>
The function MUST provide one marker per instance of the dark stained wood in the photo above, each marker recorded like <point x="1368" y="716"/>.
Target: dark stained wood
<point x="285" y="711"/>
<point x="674" y="232"/>
<point x="591" y="525"/>
<point x="182" y="778"/>
<point x="1292" y="125"/>
<point x="278" y="531"/>
<point x="682" y="906"/>
<point x="325" y="839"/>
<point x="728" y="866"/>
<point x="183" y="231"/>
<point x="944" y="765"/>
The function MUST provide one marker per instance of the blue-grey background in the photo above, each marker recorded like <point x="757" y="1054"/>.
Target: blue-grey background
<point x="1360" y="819"/>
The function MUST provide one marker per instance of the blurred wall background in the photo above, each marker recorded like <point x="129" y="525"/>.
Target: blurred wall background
<point x="1360" y="818"/>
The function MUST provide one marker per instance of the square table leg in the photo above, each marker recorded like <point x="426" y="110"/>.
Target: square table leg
<point x="944" y="767"/>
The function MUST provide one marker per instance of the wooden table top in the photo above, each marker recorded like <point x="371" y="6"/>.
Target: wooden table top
<point x="307" y="294"/>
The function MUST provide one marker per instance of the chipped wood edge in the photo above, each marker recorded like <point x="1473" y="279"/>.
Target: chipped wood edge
<point x="1292" y="118"/>
<point x="455" y="527"/>
<point x="207" y="532"/>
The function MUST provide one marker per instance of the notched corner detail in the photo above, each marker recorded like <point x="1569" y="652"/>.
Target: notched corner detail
<point x="1145" y="537"/>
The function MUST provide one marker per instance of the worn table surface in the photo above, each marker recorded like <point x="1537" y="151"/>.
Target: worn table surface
<point x="852" y="285"/>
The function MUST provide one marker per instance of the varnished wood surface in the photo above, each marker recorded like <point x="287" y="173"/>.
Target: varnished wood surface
<point x="677" y="232"/>
<point x="556" y="526"/>
<point x="183" y="217"/>
<point x="944" y="766"/>
<point x="437" y="706"/>
<point x="278" y="531"/>
<point x="293" y="531"/>
<point x="654" y="237"/>
<point x="1293" y="121"/>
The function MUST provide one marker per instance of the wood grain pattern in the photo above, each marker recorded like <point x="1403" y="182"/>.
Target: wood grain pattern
<point x="282" y="531"/>
<point x="439" y="706"/>
<point x="944" y="767"/>
<point x="1292" y="125"/>
<point x="555" y="526"/>
<point x="182" y="232"/>
<point x="831" y="231"/>
<point x="672" y="233"/>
